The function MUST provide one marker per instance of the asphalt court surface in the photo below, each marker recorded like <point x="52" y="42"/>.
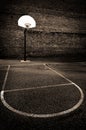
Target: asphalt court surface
<point x="38" y="89"/>
<point x="31" y="76"/>
<point x="43" y="101"/>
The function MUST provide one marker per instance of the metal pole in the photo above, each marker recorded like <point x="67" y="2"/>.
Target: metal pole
<point x="25" y="44"/>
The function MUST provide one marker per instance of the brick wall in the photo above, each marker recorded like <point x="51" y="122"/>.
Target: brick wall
<point x="58" y="32"/>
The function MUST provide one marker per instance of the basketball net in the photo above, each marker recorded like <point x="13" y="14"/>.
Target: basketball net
<point x="27" y="25"/>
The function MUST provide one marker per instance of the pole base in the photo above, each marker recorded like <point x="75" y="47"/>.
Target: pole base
<point x="25" y="61"/>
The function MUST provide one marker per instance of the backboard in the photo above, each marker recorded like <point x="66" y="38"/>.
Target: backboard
<point x="26" y="21"/>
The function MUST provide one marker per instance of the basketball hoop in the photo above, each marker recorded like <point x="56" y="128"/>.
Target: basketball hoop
<point x="26" y="22"/>
<point x="27" y="25"/>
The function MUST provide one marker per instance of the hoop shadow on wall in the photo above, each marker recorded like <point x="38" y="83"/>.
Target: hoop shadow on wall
<point x="26" y="22"/>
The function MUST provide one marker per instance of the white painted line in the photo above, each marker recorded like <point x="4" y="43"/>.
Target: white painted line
<point x="46" y="115"/>
<point x="30" y="64"/>
<point x="58" y="73"/>
<point x="5" y="79"/>
<point x="34" y="88"/>
<point x="43" y="115"/>
<point x="11" y="108"/>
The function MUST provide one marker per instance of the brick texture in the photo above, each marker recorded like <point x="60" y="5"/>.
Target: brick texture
<point x="58" y="32"/>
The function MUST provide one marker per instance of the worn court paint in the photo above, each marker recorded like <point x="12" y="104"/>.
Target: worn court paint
<point x="6" y="75"/>
<point x="32" y="88"/>
<point x="43" y="115"/>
